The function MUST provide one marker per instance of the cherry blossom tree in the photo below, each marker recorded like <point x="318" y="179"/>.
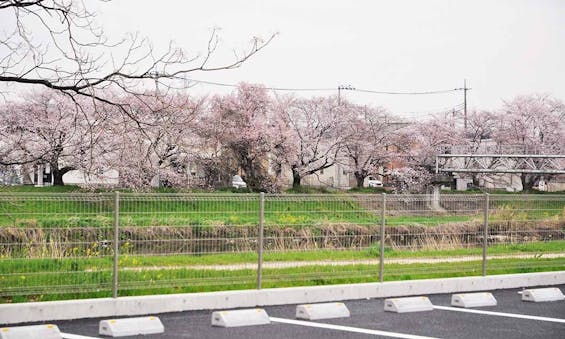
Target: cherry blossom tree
<point x="477" y="138"/>
<point x="415" y="148"/>
<point x="240" y="124"/>
<point x="282" y="140"/>
<point x="49" y="128"/>
<point x="160" y="152"/>
<point x="315" y="127"/>
<point x="532" y="124"/>
<point x="215" y="164"/>
<point x="410" y="179"/>
<point x="481" y="126"/>
<point x="366" y="149"/>
<point x="420" y="142"/>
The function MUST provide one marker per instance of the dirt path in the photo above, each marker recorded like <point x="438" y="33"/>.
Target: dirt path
<point x="401" y="261"/>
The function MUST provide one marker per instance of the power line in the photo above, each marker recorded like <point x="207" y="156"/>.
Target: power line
<point x="408" y="93"/>
<point x="450" y="109"/>
<point x="269" y="88"/>
<point x="330" y="89"/>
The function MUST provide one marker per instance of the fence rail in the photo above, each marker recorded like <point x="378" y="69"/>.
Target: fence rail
<point x="57" y="246"/>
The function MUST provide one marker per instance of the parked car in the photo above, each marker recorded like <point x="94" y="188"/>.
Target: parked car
<point x="238" y="182"/>
<point x="373" y="182"/>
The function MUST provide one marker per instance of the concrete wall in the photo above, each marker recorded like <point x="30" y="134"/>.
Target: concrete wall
<point x="335" y="176"/>
<point x="129" y="306"/>
<point x="555" y="186"/>
<point x="108" y="178"/>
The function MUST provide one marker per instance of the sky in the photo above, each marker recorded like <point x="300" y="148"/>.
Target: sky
<point x="502" y="48"/>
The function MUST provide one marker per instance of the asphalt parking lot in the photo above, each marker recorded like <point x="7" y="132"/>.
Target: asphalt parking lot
<point x="368" y="318"/>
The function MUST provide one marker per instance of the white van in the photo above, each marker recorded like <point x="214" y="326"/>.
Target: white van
<point x="238" y="182"/>
<point x="373" y="182"/>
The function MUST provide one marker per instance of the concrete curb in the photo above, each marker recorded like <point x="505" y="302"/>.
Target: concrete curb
<point x="130" y="306"/>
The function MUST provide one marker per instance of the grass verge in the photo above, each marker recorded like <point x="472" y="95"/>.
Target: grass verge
<point x="69" y="278"/>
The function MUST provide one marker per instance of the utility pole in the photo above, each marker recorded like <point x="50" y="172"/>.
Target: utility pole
<point x="344" y="87"/>
<point x="465" y="89"/>
<point x="465" y="101"/>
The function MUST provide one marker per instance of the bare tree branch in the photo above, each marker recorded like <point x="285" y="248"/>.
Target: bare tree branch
<point x="77" y="58"/>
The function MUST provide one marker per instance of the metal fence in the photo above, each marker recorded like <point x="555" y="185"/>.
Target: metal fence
<point x="59" y="246"/>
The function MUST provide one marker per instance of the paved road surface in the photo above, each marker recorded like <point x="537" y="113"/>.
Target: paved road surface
<point x="369" y="314"/>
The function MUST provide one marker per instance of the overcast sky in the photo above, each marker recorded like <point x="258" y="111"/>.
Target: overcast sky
<point x="502" y="48"/>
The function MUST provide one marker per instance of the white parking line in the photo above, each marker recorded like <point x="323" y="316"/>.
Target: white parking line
<point x="76" y="336"/>
<point x="500" y="314"/>
<point x="347" y="328"/>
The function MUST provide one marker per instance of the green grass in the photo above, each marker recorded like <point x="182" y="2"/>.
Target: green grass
<point x="39" y="207"/>
<point x="56" y="286"/>
<point x="69" y="264"/>
<point x="43" y="189"/>
<point x="52" y="279"/>
<point x="311" y="190"/>
<point x="428" y="220"/>
<point x="47" y="211"/>
<point x="336" y="255"/>
<point x="98" y="211"/>
<point x="23" y="265"/>
<point x="68" y="213"/>
<point x="367" y="190"/>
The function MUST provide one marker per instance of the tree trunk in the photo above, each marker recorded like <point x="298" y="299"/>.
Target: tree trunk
<point x="527" y="181"/>
<point x="296" y="179"/>
<point x="476" y="182"/>
<point x="253" y="173"/>
<point x="359" y="178"/>
<point x="58" y="178"/>
<point x="58" y="173"/>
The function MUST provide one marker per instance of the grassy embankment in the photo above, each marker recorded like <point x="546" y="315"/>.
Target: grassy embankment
<point x="52" y="279"/>
<point x="227" y="209"/>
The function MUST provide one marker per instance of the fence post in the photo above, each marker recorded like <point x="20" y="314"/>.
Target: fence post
<point x="382" y="242"/>
<point x="116" y="243"/>
<point x="485" y="234"/>
<point x="260" y="240"/>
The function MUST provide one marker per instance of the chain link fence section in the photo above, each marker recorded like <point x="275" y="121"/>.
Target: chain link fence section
<point x="55" y="246"/>
<point x="172" y="243"/>
<point x="526" y="233"/>
<point x="430" y="236"/>
<point x="321" y="239"/>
